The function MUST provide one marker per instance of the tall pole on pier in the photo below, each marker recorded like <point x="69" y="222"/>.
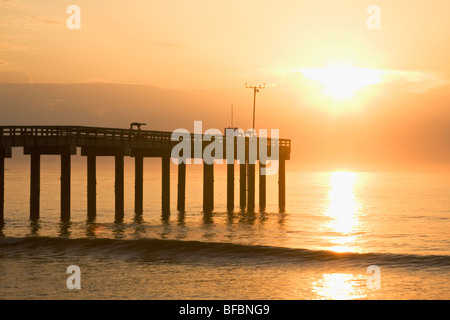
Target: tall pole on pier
<point x="251" y="166"/>
<point x="255" y="91"/>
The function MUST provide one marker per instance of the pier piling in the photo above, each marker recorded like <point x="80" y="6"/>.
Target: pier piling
<point x="4" y="153"/>
<point x="35" y="185"/>
<point x="65" y="187"/>
<point x="91" y="187"/>
<point x="165" y="190"/>
<point x="181" y="200"/>
<point x="262" y="187"/>
<point x="242" y="185"/>
<point x="2" y="189"/>
<point x="282" y="184"/>
<point x="119" y="187"/>
<point x="230" y="186"/>
<point x="138" y="185"/>
<point x="251" y="187"/>
<point x="208" y="187"/>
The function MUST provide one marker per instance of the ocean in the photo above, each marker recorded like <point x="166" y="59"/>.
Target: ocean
<point x="342" y="235"/>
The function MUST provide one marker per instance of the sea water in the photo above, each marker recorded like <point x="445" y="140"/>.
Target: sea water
<point x="336" y="229"/>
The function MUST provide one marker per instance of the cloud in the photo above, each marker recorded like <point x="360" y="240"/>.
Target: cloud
<point x="5" y="46"/>
<point x="9" y="2"/>
<point x="168" y="44"/>
<point x="175" y="44"/>
<point x="411" y="81"/>
<point x="415" y="81"/>
<point x="46" y="20"/>
<point x="31" y="22"/>
<point x="15" y="77"/>
<point x="101" y="80"/>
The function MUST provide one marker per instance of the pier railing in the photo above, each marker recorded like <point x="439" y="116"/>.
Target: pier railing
<point x="80" y="136"/>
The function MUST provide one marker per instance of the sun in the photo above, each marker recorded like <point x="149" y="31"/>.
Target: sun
<point x="342" y="81"/>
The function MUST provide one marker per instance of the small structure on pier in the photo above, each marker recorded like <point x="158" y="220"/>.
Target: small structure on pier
<point x="137" y="125"/>
<point x="119" y="143"/>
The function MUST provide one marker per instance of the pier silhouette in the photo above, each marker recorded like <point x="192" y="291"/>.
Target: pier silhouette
<point x="137" y="143"/>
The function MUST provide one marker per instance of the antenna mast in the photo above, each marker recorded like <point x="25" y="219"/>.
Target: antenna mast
<point x="231" y="116"/>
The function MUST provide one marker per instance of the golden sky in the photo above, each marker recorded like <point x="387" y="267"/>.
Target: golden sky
<point x="347" y="95"/>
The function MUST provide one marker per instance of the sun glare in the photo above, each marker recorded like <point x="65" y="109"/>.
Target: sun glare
<point x="343" y="210"/>
<point x="339" y="286"/>
<point x="342" y="81"/>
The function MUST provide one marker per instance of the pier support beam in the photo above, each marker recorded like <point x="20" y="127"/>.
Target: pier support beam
<point x="282" y="184"/>
<point x="35" y="185"/>
<point x="65" y="187"/>
<point x="251" y="187"/>
<point x="230" y="186"/>
<point x="138" y="185"/>
<point x="262" y="187"/>
<point x="181" y="201"/>
<point x="243" y="185"/>
<point x="165" y="194"/>
<point x="91" y="187"/>
<point x="208" y="187"/>
<point x="119" y="187"/>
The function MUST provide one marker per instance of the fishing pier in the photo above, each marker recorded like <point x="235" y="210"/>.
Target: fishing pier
<point x="94" y="142"/>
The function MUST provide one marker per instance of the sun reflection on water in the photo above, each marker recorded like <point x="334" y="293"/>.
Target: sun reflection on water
<point x="339" y="286"/>
<point x="343" y="211"/>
